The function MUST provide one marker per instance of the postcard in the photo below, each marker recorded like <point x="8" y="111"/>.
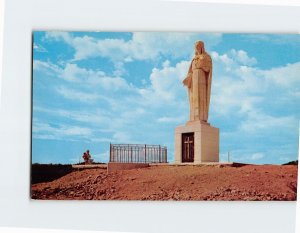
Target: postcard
<point x="165" y="116"/>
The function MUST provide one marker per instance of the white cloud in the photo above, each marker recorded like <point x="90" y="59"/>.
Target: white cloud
<point x="259" y="121"/>
<point x="257" y="156"/>
<point x="256" y="104"/>
<point x="224" y="58"/>
<point x="101" y="139"/>
<point x="87" y="77"/>
<point x="39" y="48"/>
<point x="287" y="76"/>
<point x="58" y="35"/>
<point x="166" y="63"/>
<point x="246" y="156"/>
<point x="291" y="39"/>
<point x="166" y="86"/>
<point x="73" y="73"/>
<point x="142" y="45"/>
<point x="232" y="60"/>
<point x="93" y="117"/>
<point x="165" y="119"/>
<point x="47" y="67"/>
<point x="242" y="57"/>
<point x="238" y="88"/>
<point x="122" y="137"/>
<point x="130" y="107"/>
<point x="43" y="130"/>
<point x="101" y="157"/>
<point x="77" y="95"/>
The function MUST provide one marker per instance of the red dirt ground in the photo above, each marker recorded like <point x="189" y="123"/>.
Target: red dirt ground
<point x="249" y="182"/>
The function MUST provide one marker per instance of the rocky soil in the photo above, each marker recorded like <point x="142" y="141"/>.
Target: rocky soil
<point x="250" y="183"/>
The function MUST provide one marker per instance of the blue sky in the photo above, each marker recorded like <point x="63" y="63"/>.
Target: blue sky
<point x="93" y="88"/>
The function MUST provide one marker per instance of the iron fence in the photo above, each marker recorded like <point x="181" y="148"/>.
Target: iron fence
<point x="138" y="153"/>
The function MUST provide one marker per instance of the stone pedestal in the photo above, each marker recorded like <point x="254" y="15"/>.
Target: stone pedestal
<point x="206" y="142"/>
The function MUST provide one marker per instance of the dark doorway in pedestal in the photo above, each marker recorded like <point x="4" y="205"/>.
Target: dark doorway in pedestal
<point x="187" y="147"/>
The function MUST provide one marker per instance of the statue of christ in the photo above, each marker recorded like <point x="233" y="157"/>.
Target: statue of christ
<point x="198" y="82"/>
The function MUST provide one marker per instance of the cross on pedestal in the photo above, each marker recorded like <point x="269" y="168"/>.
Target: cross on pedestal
<point x="188" y="142"/>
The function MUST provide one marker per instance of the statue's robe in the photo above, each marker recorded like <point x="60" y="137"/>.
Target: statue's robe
<point x="198" y="82"/>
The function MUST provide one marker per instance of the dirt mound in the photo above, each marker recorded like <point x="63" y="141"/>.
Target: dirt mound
<point x="251" y="182"/>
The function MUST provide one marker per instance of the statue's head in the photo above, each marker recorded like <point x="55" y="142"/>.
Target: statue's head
<point x="199" y="47"/>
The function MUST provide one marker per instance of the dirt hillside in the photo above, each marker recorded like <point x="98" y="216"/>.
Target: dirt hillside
<point x="250" y="182"/>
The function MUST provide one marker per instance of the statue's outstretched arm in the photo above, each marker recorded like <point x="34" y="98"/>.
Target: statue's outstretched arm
<point x="188" y="80"/>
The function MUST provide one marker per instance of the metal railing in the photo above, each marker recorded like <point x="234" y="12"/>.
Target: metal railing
<point x="138" y="153"/>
